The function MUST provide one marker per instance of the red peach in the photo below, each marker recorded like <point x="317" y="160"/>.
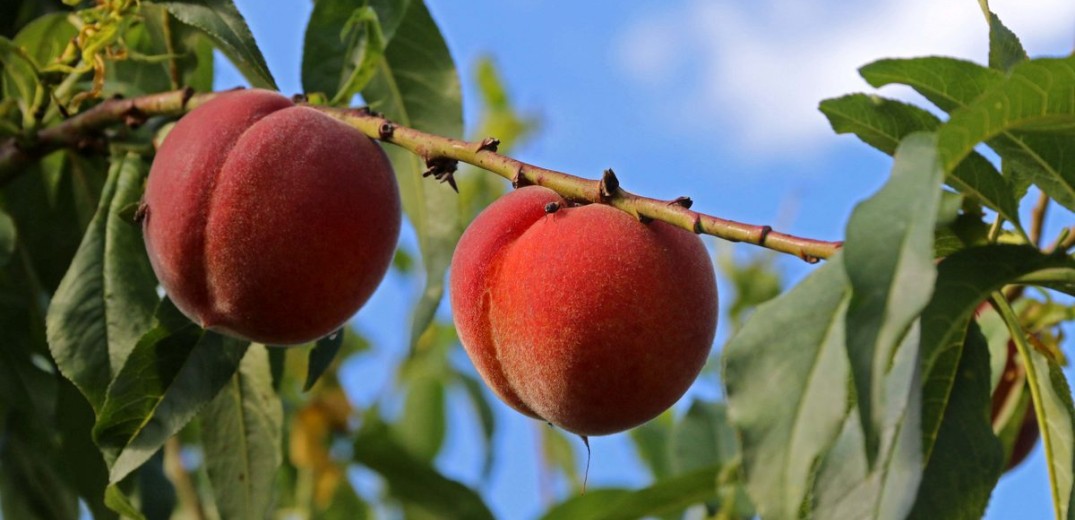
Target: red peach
<point x="269" y="221"/>
<point x="583" y="316"/>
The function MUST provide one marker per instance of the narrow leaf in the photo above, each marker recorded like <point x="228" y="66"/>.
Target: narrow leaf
<point x="703" y="438"/>
<point x="222" y="23"/>
<point x="785" y="377"/>
<point x="888" y="256"/>
<point x="413" y="481"/>
<point x="172" y="373"/>
<point x="967" y="456"/>
<point x="670" y="495"/>
<point x="329" y="57"/>
<point x="241" y="431"/>
<point x="118" y="502"/>
<point x="321" y="357"/>
<point x="417" y="86"/>
<point x="1005" y="49"/>
<point x="883" y="123"/>
<point x="105" y="302"/>
<point x="475" y="390"/>
<point x="949" y="83"/>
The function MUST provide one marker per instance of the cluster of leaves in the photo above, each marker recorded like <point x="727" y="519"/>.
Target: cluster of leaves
<point x="865" y="391"/>
<point x="111" y="400"/>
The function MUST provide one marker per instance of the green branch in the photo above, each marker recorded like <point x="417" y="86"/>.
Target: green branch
<point x="441" y="155"/>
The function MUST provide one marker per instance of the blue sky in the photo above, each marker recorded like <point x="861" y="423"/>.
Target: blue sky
<point x="712" y="99"/>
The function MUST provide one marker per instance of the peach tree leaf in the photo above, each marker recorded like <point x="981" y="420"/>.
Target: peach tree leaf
<point x="225" y="26"/>
<point x="785" y="377"/>
<point x="417" y="86"/>
<point x="172" y="373"/>
<point x="104" y="303"/>
<point x="666" y="496"/>
<point x="8" y="237"/>
<point x="883" y="123"/>
<point x="413" y="481"/>
<point x="241" y="434"/>
<point x="888" y="257"/>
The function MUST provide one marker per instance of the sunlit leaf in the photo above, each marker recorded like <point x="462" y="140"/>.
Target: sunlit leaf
<point x="241" y="431"/>
<point x="222" y="23"/>
<point x="417" y="86"/>
<point x="888" y="256"/>
<point x="1005" y="49"/>
<point x="105" y="302"/>
<point x="883" y="123"/>
<point x="173" y="372"/>
<point x="785" y="375"/>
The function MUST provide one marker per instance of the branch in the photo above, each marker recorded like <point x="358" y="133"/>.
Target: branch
<point x="441" y="155"/>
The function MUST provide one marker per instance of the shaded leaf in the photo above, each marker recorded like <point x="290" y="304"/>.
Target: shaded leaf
<point x="669" y="495"/>
<point x="653" y="444"/>
<point x="241" y="432"/>
<point x="175" y="369"/>
<point x="222" y="23"/>
<point x="31" y="482"/>
<point x="417" y="86"/>
<point x="120" y="503"/>
<point x="321" y="357"/>
<point x="84" y="467"/>
<point x="967" y="457"/>
<point x="8" y="238"/>
<point x="329" y="57"/>
<point x="105" y="302"/>
<point x="475" y="390"/>
<point x="883" y="123"/>
<point x="413" y="481"/>
<point x="785" y="376"/>
<point x="888" y="256"/>
<point x="704" y="437"/>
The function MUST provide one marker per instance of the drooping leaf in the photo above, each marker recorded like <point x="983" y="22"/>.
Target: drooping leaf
<point x="84" y="466"/>
<point x="422" y="427"/>
<point x="653" y="444"/>
<point x="241" y="432"/>
<point x="669" y="495"/>
<point x="40" y="41"/>
<point x="188" y="53"/>
<point x="105" y="302"/>
<point x="967" y="458"/>
<point x="225" y="26"/>
<point x="171" y="374"/>
<point x="888" y="256"/>
<point x="785" y="376"/>
<point x="558" y="453"/>
<point x="8" y="237"/>
<point x="413" y="481"/>
<point x="417" y="86"/>
<point x="321" y="356"/>
<point x="31" y="482"/>
<point x="703" y="438"/>
<point x="120" y="503"/>
<point x="883" y="123"/>
<point x="475" y="391"/>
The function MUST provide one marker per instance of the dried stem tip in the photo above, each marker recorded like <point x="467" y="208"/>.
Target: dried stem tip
<point x="489" y="144"/>
<point x="442" y="169"/>
<point x="608" y="185"/>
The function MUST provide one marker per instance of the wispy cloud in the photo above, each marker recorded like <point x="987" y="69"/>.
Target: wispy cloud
<point x="761" y="67"/>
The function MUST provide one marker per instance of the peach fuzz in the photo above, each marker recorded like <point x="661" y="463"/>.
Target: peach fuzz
<point x="269" y="221"/>
<point x="582" y="316"/>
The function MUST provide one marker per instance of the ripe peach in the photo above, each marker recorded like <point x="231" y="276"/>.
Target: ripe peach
<point x="582" y="316"/>
<point x="269" y="221"/>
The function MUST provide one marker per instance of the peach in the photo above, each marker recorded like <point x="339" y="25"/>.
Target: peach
<point x="269" y="221"/>
<point x="582" y="316"/>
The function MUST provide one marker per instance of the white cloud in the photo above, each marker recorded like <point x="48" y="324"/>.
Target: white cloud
<point x="761" y="67"/>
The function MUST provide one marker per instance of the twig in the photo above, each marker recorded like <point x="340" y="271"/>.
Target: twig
<point x="1037" y="218"/>
<point x="440" y="153"/>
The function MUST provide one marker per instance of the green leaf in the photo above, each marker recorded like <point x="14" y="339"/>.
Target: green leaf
<point x="187" y="52"/>
<point x="1005" y="49"/>
<point x="222" y="23"/>
<point x="32" y="483"/>
<point x="241" y="432"/>
<point x="413" y="481"/>
<point x="417" y="86"/>
<point x="668" y="495"/>
<point x="964" y="281"/>
<point x="558" y="453"/>
<point x="785" y="376"/>
<point x="653" y="444"/>
<point x="1055" y="411"/>
<point x="118" y="501"/>
<point x="422" y="427"/>
<point x="949" y="83"/>
<point x="1036" y="96"/>
<point x="888" y="256"/>
<point x="967" y="456"/>
<point x="883" y="123"/>
<point x="8" y="238"/>
<point x="175" y="369"/>
<point x="321" y="357"/>
<point x="345" y="505"/>
<point x="41" y="41"/>
<point x="84" y="467"/>
<point x="703" y="438"/>
<point x="105" y="302"/>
